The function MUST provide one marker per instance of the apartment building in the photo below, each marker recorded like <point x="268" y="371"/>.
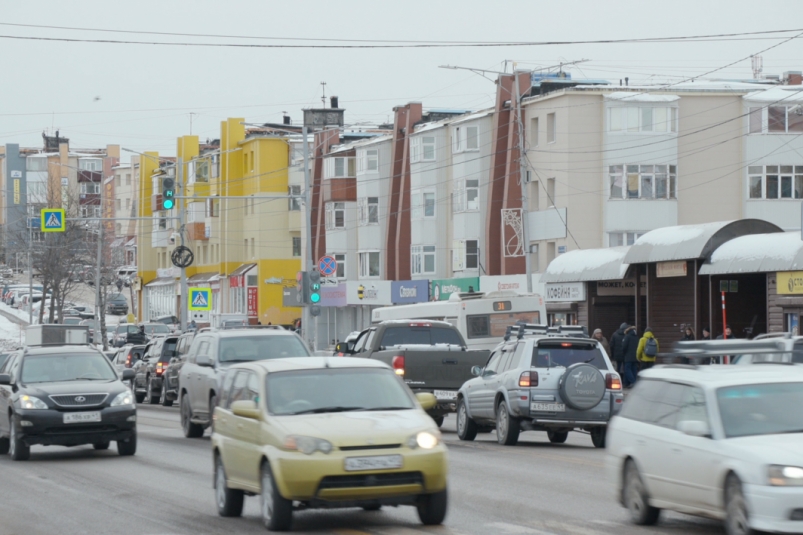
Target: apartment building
<point x="123" y="204"/>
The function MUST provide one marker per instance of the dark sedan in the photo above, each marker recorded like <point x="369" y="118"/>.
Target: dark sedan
<point x="64" y="396"/>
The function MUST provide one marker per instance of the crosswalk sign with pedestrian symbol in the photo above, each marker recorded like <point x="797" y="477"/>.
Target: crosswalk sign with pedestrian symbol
<point x="53" y="220"/>
<point x="200" y="299"/>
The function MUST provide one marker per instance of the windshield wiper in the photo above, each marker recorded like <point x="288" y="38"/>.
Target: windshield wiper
<point x="387" y="409"/>
<point x="328" y="409"/>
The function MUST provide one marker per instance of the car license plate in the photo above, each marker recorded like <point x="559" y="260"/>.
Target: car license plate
<point x="548" y="407"/>
<point x="446" y="394"/>
<point x="378" y="462"/>
<point x="81" y="417"/>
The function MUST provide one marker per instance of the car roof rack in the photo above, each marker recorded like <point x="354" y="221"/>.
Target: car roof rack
<point x="535" y="329"/>
<point x="254" y="327"/>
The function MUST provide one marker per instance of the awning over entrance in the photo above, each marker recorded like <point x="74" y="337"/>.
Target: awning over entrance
<point x="689" y="242"/>
<point x="241" y="270"/>
<point x="161" y="281"/>
<point x="757" y="253"/>
<point x="198" y="278"/>
<point x="588" y="265"/>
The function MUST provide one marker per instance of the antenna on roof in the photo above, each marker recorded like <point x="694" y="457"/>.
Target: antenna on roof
<point x="757" y="62"/>
<point x="323" y="93"/>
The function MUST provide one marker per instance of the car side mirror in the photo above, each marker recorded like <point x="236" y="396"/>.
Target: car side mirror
<point x="344" y="348"/>
<point x="426" y="400"/>
<point x="203" y="360"/>
<point x="128" y="374"/>
<point x="694" y="428"/>
<point x="245" y="409"/>
<point x="5" y="379"/>
<point x="476" y="371"/>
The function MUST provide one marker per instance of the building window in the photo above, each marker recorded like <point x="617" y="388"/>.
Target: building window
<point x="551" y="136"/>
<point x="467" y="196"/>
<point x="341" y="265"/>
<point x="37" y="236"/>
<point x="369" y="264"/>
<point x="550" y="192"/>
<point x="212" y="207"/>
<point x="37" y="192"/>
<point x="90" y="164"/>
<point x="294" y="203"/>
<point x="783" y="119"/>
<point x="472" y="254"/>
<point x="118" y="204"/>
<point x="423" y="204"/>
<point x="117" y="181"/>
<point x="296" y="246"/>
<point x="775" y="181"/>
<point x="127" y="203"/>
<point x="90" y="211"/>
<point x="756" y="120"/>
<point x="335" y="215"/>
<point x="36" y="164"/>
<point x="534" y="132"/>
<point x="368" y="161"/>
<point x="368" y="210"/>
<point x="422" y="259"/>
<point x="644" y="119"/>
<point x="457" y="145"/>
<point x="128" y="179"/>
<point x="472" y="138"/>
<point x="89" y="188"/>
<point x="342" y="167"/>
<point x="422" y="149"/>
<point x="643" y="181"/>
<point x="617" y="239"/>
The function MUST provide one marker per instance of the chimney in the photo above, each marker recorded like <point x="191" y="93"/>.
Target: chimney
<point x="627" y="80"/>
<point x="793" y="78"/>
<point x="333" y="100"/>
<point x="286" y="119"/>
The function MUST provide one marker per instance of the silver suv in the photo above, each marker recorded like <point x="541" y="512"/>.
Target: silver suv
<point x="541" y="379"/>
<point x="209" y="357"/>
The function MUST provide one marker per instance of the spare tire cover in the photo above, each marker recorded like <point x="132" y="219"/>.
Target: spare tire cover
<point x="582" y="386"/>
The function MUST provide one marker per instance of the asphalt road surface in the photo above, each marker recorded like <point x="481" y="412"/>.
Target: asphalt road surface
<point x="533" y="488"/>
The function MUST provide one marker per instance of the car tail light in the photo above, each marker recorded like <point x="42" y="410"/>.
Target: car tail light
<point x="613" y="382"/>
<point x="528" y="379"/>
<point x="398" y="364"/>
<point x="420" y="325"/>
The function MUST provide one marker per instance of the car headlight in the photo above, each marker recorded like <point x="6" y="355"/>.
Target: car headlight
<point x="785" y="476"/>
<point x="123" y="398"/>
<point x="30" y="402"/>
<point x="426" y="440"/>
<point x="307" y="445"/>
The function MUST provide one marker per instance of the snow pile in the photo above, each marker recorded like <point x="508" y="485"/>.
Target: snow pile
<point x="757" y="253"/>
<point x="589" y="264"/>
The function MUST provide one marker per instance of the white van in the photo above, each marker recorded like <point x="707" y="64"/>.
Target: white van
<point x="481" y="318"/>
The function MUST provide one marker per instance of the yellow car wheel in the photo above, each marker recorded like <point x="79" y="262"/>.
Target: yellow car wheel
<point x="229" y="501"/>
<point x="277" y="511"/>
<point x="432" y="508"/>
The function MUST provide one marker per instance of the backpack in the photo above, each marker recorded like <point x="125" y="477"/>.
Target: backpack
<point x="651" y="347"/>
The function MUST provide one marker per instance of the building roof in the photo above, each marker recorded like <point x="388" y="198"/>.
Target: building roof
<point x="757" y="253"/>
<point x="588" y="265"/>
<point x="782" y="94"/>
<point x="241" y="270"/>
<point x="161" y="281"/>
<point x="688" y="242"/>
<point x="209" y="276"/>
<point x="629" y="96"/>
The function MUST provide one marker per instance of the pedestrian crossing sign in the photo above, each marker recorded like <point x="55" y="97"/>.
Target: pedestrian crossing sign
<point x="53" y="220"/>
<point x="200" y="299"/>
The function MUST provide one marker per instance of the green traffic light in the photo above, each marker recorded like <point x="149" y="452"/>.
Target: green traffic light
<point x="315" y="298"/>
<point x="167" y="204"/>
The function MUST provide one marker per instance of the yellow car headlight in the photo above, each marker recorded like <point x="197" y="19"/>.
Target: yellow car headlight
<point x="426" y="440"/>
<point x="307" y="445"/>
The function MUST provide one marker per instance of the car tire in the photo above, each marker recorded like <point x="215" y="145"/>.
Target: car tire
<point x="372" y="507"/>
<point x="557" y="437"/>
<point x="737" y="516"/>
<point x="153" y="399"/>
<point x="128" y="447"/>
<point x="229" y="501"/>
<point x="598" y="435"/>
<point x="191" y="430"/>
<point x="636" y="498"/>
<point x="277" y="511"/>
<point x="432" y="508"/>
<point x="507" y="427"/>
<point x="17" y="449"/>
<point x="438" y="420"/>
<point x="163" y="399"/>
<point x="140" y="397"/>
<point x="101" y="445"/>
<point x="466" y="427"/>
<point x="4" y="444"/>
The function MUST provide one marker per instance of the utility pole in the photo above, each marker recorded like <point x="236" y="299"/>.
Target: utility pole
<point x="308" y="322"/>
<point x="525" y="208"/>
<point x="180" y="203"/>
<point x="98" y="300"/>
<point x="30" y="274"/>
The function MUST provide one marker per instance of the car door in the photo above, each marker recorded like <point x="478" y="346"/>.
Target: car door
<point x="6" y="391"/>
<point x="204" y="378"/>
<point x="186" y="378"/>
<point x="481" y="399"/>
<point x="236" y="429"/>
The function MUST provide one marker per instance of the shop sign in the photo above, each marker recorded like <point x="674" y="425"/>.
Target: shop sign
<point x="621" y="287"/>
<point x="369" y="292"/>
<point x="444" y="288"/>
<point x="253" y="299"/>
<point x="504" y="283"/>
<point x="168" y="272"/>
<point x="671" y="269"/>
<point x="565" y="291"/>
<point x="789" y="282"/>
<point x="333" y="296"/>
<point x="409" y="291"/>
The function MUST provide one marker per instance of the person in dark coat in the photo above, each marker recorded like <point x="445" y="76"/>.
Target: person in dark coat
<point x="630" y="349"/>
<point x="617" y="353"/>
<point x="689" y="334"/>
<point x="706" y="334"/>
<point x="728" y="332"/>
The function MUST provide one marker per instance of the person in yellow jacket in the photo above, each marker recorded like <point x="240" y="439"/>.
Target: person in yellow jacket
<point x="647" y="349"/>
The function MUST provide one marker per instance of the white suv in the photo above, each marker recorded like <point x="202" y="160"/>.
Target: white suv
<point x="544" y="379"/>
<point x="723" y="442"/>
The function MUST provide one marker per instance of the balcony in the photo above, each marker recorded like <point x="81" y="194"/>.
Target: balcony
<point x="196" y="231"/>
<point x="340" y="190"/>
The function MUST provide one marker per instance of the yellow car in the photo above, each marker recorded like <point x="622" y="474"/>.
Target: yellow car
<point x="320" y="432"/>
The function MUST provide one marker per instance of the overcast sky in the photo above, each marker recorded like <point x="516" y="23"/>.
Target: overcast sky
<point x="144" y="96"/>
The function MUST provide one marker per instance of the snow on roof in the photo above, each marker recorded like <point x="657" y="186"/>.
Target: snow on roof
<point x="640" y="97"/>
<point x="429" y="126"/>
<point x="757" y="253"/>
<point x="474" y="116"/>
<point x="588" y="265"/>
<point x="686" y="87"/>
<point x="780" y="94"/>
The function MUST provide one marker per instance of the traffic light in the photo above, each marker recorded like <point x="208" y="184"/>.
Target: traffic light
<point x="168" y="192"/>
<point x="314" y="287"/>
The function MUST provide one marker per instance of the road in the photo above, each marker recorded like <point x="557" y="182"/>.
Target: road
<point x="533" y="488"/>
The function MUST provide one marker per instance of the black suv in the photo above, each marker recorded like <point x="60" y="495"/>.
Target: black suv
<point x="211" y="354"/>
<point x="128" y="333"/>
<point x="147" y="384"/>
<point x="116" y="304"/>
<point x="66" y="396"/>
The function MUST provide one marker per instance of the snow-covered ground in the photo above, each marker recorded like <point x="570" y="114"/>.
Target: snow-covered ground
<point x="14" y="312"/>
<point x="12" y="335"/>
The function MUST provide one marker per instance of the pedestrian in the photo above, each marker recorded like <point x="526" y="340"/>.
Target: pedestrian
<point x="647" y="349"/>
<point x="706" y="334"/>
<point x="689" y="334"/>
<point x="193" y="325"/>
<point x="630" y="347"/>
<point x="617" y="350"/>
<point x="602" y="340"/>
<point x="728" y="333"/>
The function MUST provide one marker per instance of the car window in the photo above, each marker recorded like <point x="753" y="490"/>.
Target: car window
<point x="761" y="409"/>
<point x="406" y="335"/>
<point x="504" y="362"/>
<point x="693" y="406"/>
<point x="238" y="389"/>
<point x="226" y="389"/>
<point x="252" y="388"/>
<point x="250" y="348"/>
<point x="203" y="348"/>
<point x="642" y="403"/>
<point x="168" y="350"/>
<point x="72" y="367"/>
<point x="493" y="362"/>
<point x="666" y="408"/>
<point x="548" y="354"/>
<point x="361" y="342"/>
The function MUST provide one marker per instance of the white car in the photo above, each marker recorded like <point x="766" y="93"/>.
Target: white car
<point x="723" y="442"/>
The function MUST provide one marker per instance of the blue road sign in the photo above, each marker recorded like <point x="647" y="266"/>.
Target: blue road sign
<point x="200" y="299"/>
<point x="53" y="220"/>
<point x="327" y="266"/>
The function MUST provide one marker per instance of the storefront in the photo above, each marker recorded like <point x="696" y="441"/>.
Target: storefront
<point x="504" y="283"/>
<point x="243" y="291"/>
<point x="443" y="289"/>
<point x="160" y="298"/>
<point x="407" y="292"/>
